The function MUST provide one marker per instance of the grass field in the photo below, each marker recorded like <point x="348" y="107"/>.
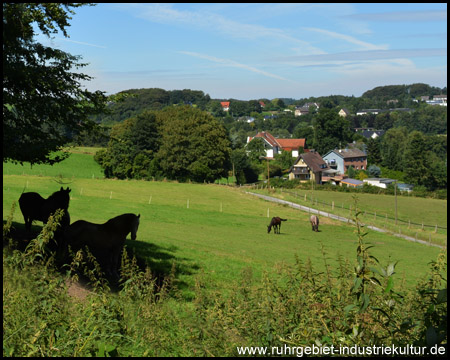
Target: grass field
<point x="421" y="217"/>
<point x="216" y="229"/>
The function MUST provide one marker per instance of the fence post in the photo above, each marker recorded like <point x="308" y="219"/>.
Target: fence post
<point x="268" y="212"/>
<point x="150" y="199"/>
<point x="187" y="203"/>
<point x="435" y="229"/>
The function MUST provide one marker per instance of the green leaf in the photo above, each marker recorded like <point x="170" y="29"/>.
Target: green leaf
<point x="389" y="286"/>
<point x="348" y="308"/>
<point x="442" y="296"/>
<point x="357" y="284"/>
<point x="431" y="336"/>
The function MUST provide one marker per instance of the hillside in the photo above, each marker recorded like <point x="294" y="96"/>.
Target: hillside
<point x="140" y="100"/>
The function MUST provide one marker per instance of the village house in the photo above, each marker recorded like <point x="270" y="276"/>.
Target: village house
<point x="344" y="112"/>
<point x="275" y="146"/>
<point x="308" y="166"/>
<point x="303" y="110"/>
<point x="342" y="159"/>
<point x="225" y="105"/>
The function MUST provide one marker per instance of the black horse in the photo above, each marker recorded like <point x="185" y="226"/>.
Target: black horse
<point x="105" y="241"/>
<point x="35" y="207"/>
<point x="276" y="223"/>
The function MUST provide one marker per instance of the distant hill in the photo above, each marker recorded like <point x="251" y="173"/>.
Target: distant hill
<point x="396" y="91"/>
<point x="139" y="100"/>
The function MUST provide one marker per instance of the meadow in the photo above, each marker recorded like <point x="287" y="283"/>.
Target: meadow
<point x="213" y="240"/>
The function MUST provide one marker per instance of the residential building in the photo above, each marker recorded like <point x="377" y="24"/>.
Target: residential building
<point x="379" y="182"/>
<point x="275" y="146"/>
<point x="342" y="159"/>
<point x="344" y="112"/>
<point x="308" y="166"/>
<point x="225" y="105"/>
<point x="353" y="183"/>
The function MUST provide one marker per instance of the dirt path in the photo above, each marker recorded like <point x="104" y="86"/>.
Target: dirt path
<point x="336" y="217"/>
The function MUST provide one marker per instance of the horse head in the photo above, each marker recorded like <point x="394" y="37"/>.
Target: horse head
<point x="269" y="228"/>
<point x="135" y="226"/>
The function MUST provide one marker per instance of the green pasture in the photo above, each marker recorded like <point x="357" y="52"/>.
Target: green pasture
<point x="216" y="230"/>
<point x="80" y="164"/>
<point x="379" y="210"/>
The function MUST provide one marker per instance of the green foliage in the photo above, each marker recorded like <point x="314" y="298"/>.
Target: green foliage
<point x="374" y="171"/>
<point x="193" y="145"/>
<point x="330" y="131"/>
<point x="44" y="105"/>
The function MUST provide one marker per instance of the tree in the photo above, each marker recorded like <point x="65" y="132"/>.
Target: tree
<point x="373" y="151"/>
<point x="256" y="149"/>
<point x="44" y="105"/>
<point x="414" y="159"/>
<point x="374" y="171"/>
<point x="194" y="145"/>
<point x="330" y="130"/>
<point x="244" y="171"/>
<point x="392" y="148"/>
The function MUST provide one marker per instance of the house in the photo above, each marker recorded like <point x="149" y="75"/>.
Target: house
<point x="344" y="112"/>
<point x="225" y="105"/>
<point x="308" y="166"/>
<point x="303" y="110"/>
<point x="275" y="146"/>
<point x="438" y="100"/>
<point x="299" y="111"/>
<point x="261" y="103"/>
<point x="368" y="111"/>
<point x="379" y="182"/>
<point x="354" y="183"/>
<point x="342" y="159"/>
<point x="369" y="133"/>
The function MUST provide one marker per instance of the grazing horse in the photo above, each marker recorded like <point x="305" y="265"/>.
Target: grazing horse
<point x="276" y="223"/>
<point x="35" y="207"/>
<point x="106" y="240"/>
<point x="314" y="219"/>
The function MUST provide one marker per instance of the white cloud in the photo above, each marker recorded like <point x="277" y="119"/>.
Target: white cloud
<point x="364" y="45"/>
<point x="232" y="63"/>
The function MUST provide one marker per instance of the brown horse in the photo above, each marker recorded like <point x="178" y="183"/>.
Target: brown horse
<point x="314" y="219"/>
<point x="105" y="241"/>
<point x="35" y="207"/>
<point x="276" y="223"/>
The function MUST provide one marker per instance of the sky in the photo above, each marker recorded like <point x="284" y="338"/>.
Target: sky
<point x="254" y="51"/>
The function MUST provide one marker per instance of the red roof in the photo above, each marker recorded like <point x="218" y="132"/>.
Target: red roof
<point x="291" y="144"/>
<point x="285" y="144"/>
<point x="225" y="103"/>
<point x="269" y="138"/>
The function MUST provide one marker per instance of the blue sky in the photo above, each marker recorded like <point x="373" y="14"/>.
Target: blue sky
<point x="253" y="51"/>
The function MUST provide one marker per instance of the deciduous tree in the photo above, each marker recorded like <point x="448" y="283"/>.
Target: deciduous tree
<point x="44" y="104"/>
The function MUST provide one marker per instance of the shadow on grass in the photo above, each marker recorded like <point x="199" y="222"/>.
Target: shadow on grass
<point x="158" y="259"/>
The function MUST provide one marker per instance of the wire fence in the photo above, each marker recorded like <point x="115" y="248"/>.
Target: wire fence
<point x="343" y="207"/>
